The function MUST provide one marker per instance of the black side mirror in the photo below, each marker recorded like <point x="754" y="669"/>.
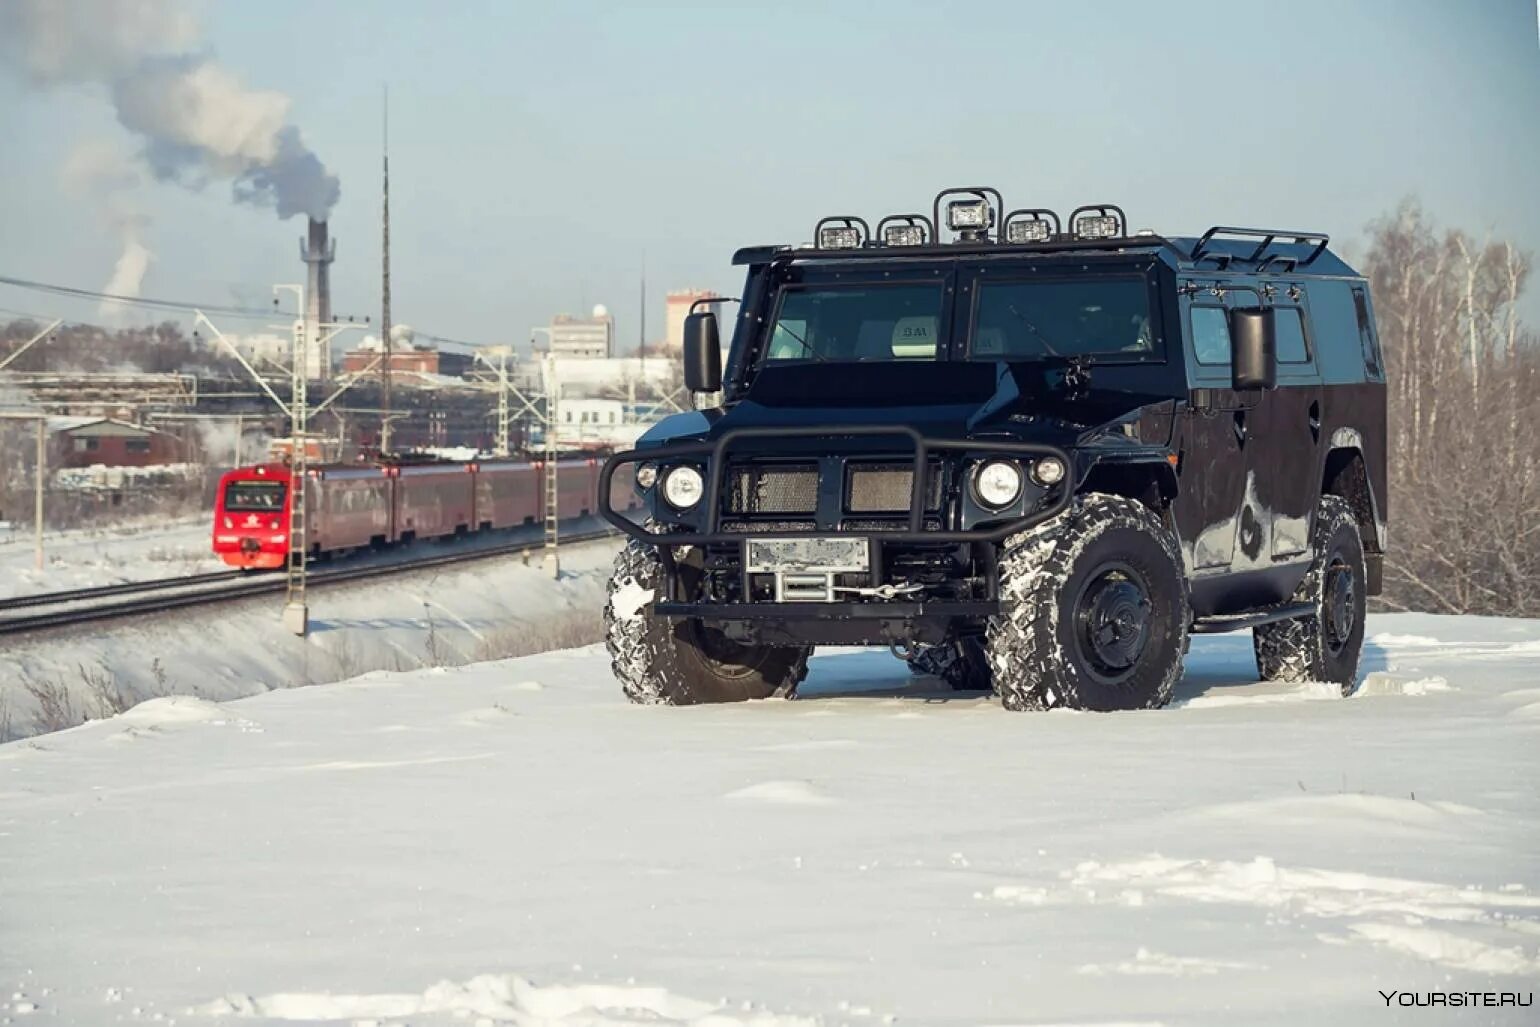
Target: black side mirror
<point x="1253" y="348"/>
<point x="702" y="353"/>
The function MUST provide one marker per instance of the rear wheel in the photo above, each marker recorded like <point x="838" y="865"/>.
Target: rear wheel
<point x="1324" y="646"/>
<point x="680" y="661"/>
<point x="1094" y="611"/>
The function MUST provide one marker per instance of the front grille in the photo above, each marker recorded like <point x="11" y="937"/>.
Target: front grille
<point x="886" y="488"/>
<point x="747" y="527"/>
<point x="773" y="489"/>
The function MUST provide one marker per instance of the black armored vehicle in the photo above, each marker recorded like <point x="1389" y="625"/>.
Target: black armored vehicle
<point x="1032" y="456"/>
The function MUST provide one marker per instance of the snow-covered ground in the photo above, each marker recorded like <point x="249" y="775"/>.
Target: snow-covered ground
<point x="511" y="842"/>
<point x="445" y="616"/>
<point x="105" y="556"/>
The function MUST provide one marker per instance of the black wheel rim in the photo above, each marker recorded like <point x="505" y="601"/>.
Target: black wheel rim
<point x="1112" y="621"/>
<point x="1340" y="602"/>
<point x="725" y="657"/>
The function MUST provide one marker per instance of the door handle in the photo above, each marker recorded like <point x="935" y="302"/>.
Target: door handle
<point x="1315" y="421"/>
<point x="1240" y="427"/>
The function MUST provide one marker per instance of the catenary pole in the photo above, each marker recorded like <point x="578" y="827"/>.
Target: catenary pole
<point x="37" y="487"/>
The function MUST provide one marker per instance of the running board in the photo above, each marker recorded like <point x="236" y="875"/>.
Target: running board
<point x="1237" y="621"/>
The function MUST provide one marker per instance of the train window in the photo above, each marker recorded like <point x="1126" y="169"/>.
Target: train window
<point x="254" y="495"/>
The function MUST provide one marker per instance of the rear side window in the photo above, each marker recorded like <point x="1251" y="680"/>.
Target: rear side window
<point x="1366" y="337"/>
<point x="1211" y="335"/>
<point x="1291" y="336"/>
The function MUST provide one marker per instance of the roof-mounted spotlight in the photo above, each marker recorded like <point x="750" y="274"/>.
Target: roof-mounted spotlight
<point x="1023" y="227"/>
<point x="905" y="230"/>
<point x="841" y="232"/>
<point x="972" y="218"/>
<point x="1098" y="221"/>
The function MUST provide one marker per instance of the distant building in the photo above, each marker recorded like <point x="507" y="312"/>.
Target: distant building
<point x="588" y="376"/>
<point x="107" y="442"/>
<point x="425" y="361"/>
<point x="585" y="337"/>
<point x="677" y="308"/>
<point x="408" y="355"/>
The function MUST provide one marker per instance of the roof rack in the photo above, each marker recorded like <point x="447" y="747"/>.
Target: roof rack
<point x="1268" y="237"/>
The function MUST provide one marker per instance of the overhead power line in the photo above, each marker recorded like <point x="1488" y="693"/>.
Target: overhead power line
<point x="142" y="301"/>
<point x="181" y="306"/>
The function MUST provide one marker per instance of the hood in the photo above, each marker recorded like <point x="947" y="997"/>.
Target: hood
<point x="956" y="399"/>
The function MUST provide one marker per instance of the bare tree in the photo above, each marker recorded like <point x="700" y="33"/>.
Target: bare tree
<point x="1464" y="413"/>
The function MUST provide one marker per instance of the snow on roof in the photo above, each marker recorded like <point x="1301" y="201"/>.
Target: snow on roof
<point x="72" y="424"/>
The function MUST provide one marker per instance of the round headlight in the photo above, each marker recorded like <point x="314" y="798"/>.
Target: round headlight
<point x="647" y="476"/>
<point x="998" y="483"/>
<point x="682" y="487"/>
<point x="1048" y="471"/>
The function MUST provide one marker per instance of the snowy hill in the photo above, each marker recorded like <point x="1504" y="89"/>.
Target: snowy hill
<point x="513" y="843"/>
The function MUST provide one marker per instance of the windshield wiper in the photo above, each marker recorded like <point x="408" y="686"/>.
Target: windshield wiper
<point x="800" y="341"/>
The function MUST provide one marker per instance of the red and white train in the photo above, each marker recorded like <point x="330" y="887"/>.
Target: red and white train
<point x="350" y="507"/>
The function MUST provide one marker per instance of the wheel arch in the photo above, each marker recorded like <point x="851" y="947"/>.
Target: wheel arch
<point x="1345" y="474"/>
<point x="1151" y="482"/>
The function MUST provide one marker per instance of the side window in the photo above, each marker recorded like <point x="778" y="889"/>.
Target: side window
<point x="1291" y="336"/>
<point x="1211" y="335"/>
<point x="1366" y="337"/>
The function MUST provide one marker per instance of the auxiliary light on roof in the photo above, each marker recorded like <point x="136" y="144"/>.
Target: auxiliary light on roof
<point x="1019" y="232"/>
<point x="970" y="215"/>
<point x="838" y="237"/>
<point x="903" y="235"/>
<point x="1096" y="226"/>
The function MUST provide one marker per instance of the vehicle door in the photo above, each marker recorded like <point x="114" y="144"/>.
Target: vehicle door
<point x="1211" y="437"/>
<point x="1284" y="436"/>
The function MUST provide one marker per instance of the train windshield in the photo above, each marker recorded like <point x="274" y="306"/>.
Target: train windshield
<point x="254" y="495"/>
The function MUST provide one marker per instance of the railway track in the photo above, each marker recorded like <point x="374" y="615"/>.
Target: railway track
<point x="62" y="609"/>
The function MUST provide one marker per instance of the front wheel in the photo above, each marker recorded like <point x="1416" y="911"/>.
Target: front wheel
<point x="680" y="661"/>
<point x="1094" y="611"/>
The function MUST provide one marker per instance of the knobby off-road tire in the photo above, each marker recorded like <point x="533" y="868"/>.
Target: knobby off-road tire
<point x="1095" y="611"/>
<point x="676" y="662"/>
<point x="1324" y="646"/>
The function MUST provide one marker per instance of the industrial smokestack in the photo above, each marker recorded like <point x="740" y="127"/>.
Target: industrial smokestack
<point x="318" y="252"/>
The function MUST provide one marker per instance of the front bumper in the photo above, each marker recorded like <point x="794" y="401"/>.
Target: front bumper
<point x="869" y="620"/>
<point x="715" y="455"/>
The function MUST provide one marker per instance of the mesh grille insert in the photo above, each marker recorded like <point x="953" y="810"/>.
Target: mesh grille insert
<point x="773" y="489"/>
<point x="885" y="488"/>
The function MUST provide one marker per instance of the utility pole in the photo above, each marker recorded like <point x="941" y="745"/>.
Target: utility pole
<point x="385" y="339"/>
<point x="503" y="449"/>
<point x="552" y="562"/>
<point x="296" y="611"/>
<point x="641" y="321"/>
<point x="37" y="486"/>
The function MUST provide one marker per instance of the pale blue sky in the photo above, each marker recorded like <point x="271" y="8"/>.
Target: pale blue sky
<point x="539" y="149"/>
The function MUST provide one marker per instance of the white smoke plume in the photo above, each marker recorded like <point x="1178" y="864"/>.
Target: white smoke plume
<point x="128" y="272"/>
<point x="198" y="123"/>
<point x="100" y="172"/>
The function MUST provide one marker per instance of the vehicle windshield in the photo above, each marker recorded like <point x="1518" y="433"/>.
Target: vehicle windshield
<point x="1033" y="320"/>
<point x="254" y="495"/>
<point x="857" y="322"/>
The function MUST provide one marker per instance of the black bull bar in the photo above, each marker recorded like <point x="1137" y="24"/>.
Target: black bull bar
<point x="716" y="468"/>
